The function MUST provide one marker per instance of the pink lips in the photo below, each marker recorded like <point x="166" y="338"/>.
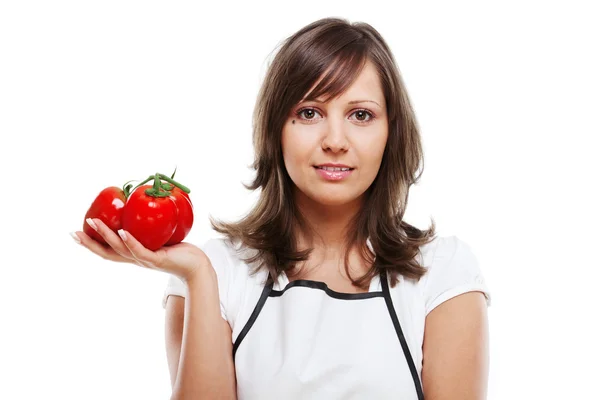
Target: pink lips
<point x="333" y="175"/>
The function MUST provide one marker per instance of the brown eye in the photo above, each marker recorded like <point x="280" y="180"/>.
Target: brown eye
<point x="363" y="115"/>
<point x="307" y="114"/>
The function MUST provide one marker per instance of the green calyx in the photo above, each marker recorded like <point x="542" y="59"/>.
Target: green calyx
<point x="159" y="188"/>
<point x="168" y="186"/>
<point x="172" y="182"/>
<point x="156" y="190"/>
<point x="127" y="189"/>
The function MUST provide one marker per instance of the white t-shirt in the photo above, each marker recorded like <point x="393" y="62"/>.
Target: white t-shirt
<point x="303" y="340"/>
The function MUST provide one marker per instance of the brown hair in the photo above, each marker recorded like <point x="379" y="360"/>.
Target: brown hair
<point x="341" y="49"/>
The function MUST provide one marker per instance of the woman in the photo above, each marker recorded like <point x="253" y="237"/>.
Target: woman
<point x="322" y="291"/>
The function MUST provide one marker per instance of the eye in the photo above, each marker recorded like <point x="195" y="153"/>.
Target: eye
<point x="307" y="112"/>
<point x="363" y="115"/>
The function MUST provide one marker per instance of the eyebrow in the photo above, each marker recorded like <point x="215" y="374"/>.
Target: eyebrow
<point x="350" y="102"/>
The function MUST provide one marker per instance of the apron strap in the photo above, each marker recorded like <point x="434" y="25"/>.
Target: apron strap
<point x="261" y="302"/>
<point x="396" y="322"/>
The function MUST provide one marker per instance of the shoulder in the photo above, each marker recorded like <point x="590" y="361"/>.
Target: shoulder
<point x="225" y="256"/>
<point x="234" y="275"/>
<point x="240" y="285"/>
<point x="452" y="269"/>
<point x="230" y="259"/>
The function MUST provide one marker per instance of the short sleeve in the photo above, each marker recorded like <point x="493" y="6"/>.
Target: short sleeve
<point x="454" y="270"/>
<point x="217" y="252"/>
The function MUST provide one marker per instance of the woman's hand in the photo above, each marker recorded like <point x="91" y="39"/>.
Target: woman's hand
<point x="200" y="349"/>
<point x="183" y="259"/>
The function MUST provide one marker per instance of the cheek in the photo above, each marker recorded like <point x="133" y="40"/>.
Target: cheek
<point x="295" y="153"/>
<point x="297" y="145"/>
<point x="372" y="151"/>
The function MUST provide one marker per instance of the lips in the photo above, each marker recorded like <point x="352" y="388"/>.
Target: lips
<point x="334" y="167"/>
<point x="333" y="172"/>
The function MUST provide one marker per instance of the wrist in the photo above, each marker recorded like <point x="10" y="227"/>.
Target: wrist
<point x="202" y="274"/>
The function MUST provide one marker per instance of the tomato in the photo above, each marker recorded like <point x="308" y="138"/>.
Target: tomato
<point x="156" y="215"/>
<point x="185" y="216"/>
<point x="151" y="220"/>
<point x="108" y="207"/>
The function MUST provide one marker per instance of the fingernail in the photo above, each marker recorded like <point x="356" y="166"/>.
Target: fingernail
<point x="75" y="237"/>
<point x="92" y="224"/>
<point x="122" y="234"/>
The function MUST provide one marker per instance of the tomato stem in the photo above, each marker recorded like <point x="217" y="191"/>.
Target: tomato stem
<point x="171" y="181"/>
<point x="138" y="185"/>
<point x="156" y="190"/>
<point x="167" y="186"/>
<point x="159" y="188"/>
<point x="127" y="189"/>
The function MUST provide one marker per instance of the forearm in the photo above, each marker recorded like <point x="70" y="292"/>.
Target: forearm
<point x="205" y="368"/>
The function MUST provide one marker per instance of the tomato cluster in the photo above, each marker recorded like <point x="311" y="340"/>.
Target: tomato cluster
<point x="157" y="215"/>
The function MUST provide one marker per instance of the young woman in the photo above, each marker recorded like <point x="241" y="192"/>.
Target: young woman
<point x="322" y="291"/>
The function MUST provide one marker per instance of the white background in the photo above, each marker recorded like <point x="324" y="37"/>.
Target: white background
<point x="93" y="94"/>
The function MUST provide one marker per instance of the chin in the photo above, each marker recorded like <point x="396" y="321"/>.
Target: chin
<point x="333" y="199"/>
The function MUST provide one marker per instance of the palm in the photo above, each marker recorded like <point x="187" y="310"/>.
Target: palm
<point x="181" y="259"/>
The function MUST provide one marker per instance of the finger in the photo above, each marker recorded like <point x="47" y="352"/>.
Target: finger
<point x="110" y="237"/>
<point x="106" y="252"/>
<point x="147" y="257"/>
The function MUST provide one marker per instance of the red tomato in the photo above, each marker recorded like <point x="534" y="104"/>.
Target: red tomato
<point x="151" y="220"/>
<point x="108" y="207"/>
<point x="185" y="216"/>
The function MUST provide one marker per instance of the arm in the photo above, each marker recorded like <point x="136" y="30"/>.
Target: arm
<point x="455" y="349"/>
<point x="198" y="342"/>
<point x="174" y="311"/>
<point x="199" y="348"/>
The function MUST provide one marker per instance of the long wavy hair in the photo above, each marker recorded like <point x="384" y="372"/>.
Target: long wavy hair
<point x="340" y="48"/>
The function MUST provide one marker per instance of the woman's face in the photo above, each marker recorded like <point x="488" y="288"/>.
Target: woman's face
<point x="332" y="151"/>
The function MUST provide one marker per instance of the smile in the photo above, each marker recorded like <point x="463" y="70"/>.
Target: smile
<point x="334" y="168"/>
<point x="334" y="174"/>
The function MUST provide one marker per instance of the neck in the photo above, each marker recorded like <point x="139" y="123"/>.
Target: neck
<point x="326" y="225"/>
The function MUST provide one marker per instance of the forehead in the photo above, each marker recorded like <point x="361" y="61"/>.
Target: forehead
<point x="366" y="85"/>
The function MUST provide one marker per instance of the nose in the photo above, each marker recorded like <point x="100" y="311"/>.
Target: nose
<point x="335" y="139"/>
